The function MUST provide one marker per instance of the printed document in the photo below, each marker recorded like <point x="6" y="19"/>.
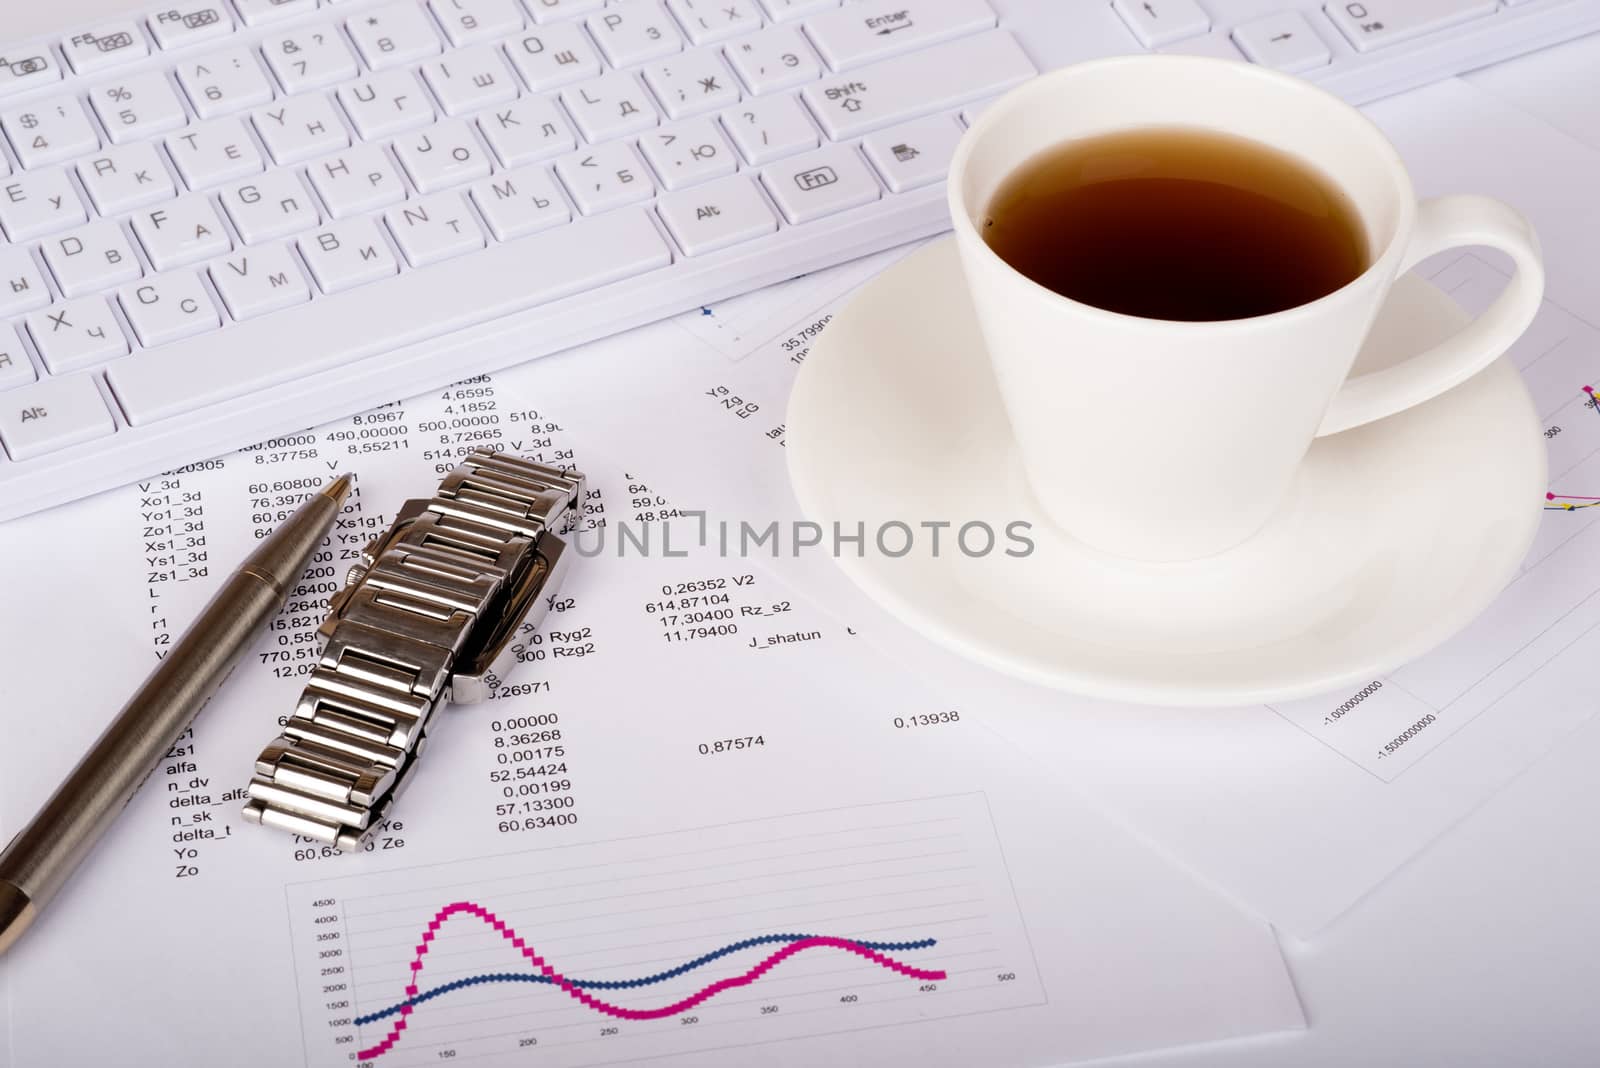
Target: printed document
<point x="726" y="826"/>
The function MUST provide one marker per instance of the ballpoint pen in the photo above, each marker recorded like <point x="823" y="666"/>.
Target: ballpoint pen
<point x="46" y="851"/>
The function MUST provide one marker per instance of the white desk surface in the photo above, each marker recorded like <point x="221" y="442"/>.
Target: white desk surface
<point x="1485" y="950"/>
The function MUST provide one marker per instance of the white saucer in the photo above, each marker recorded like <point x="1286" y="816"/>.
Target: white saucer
<point x="1396" y="535"/>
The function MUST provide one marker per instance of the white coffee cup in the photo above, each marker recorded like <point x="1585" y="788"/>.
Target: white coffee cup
<point x="1161" y="440"/>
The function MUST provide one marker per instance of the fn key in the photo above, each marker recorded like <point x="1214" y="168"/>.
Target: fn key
<point x="51" y="415"/>
<point x="832" y="179"/>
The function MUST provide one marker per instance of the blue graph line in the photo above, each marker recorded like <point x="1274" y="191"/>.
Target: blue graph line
<point x="624" y="984"/>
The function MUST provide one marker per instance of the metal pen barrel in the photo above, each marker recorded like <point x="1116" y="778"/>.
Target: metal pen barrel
<point x="45" y="852"/>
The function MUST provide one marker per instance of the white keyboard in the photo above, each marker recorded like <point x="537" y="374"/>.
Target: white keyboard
<point x="231" y="219"/>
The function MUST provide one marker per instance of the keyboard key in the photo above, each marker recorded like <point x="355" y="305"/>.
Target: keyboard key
<point x="334" y="331"/>
<point x="15" y="368"/>
<point x="49" y="131"/>
<point x="913" y="154"/>
<point x="533" y="128"/>
<point x="692" y="83"/>
<point x="936" y="79"/>
<point x="1284" y="41"/>
<point x="554" y="10"/>
<point x="610" y="106"/>
<point x="386" y="104"/>
<point x="309" y="58"/>
<point x="347" y="254"/>
<point x="22" y="287"/>
<point x="468" y="21"/>
<point x="393" y="35"/>
<point x="77" y="333"/>
<point x="434" y="228"/>
<point x="716" y="215"/>
<point x="554" y="56"/>
<point x="263" y="12"/>
<point x="770" y="129"/>
<point x="138" y="106"/>
<point x="126" y="177"/>
<point x="32" y="205"/>
<point x="688" y="153"/>
<point x="470" y="79"/>
<point x="1159" y="22"/>
<point x="1377" y="23"/>
<point x="51" y="415"/>
<point x="1215" y="45"/>
<point x="789" y="10"/>
<point x="214" y="151"/>
<point x="168" y="307"/>
<point x="829" y="180"/>
<point x="520" y="202"/>
<point x="104" y="46"/>
<point x="443" y="155"/>
<point x="300" y="128"/>
<point x="863" y="32"/>
<point x="273" y="205"/>
<point x="224" y="82"/>
<point x="181" y="232"/>
<point x="715" y="20"/>
<point x="605" y="177"/>
<point x="633" y="31"/>
<point x="28" y="69"/>
<point x="774" y="59"/>
<point x="190" y="23"/>
<point x="360" y="180"/>
<point x="91" y="258"/>
<point x="259" y="280"/>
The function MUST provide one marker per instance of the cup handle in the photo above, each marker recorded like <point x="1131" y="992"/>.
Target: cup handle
<point x="1444" y="223"/>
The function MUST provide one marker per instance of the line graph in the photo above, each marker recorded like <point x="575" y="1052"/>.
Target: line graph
<point x="606" y="1008"/>
<point x="755" y="931"/>
<point x="415" y="998"/>
<point x="1566" y="502"/>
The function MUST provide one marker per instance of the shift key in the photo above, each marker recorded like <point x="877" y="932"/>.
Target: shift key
<point x="935" y="79"/>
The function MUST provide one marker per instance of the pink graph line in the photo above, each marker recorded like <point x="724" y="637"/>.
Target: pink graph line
<point x="605" y="1007"/>
<point x="1568" y="497"/>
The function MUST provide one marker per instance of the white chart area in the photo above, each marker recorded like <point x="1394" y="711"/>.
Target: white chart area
<point x="921" y="885"/>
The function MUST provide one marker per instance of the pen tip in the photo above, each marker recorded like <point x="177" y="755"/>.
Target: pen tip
<point x="338" y="489"/>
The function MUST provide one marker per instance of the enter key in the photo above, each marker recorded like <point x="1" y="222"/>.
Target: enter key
<point x="935" y="79"/>
<point x="860" y="33"/>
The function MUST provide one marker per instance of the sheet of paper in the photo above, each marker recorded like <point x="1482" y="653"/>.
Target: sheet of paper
<point x="1297" y="810"/>
<point x="723" y="817"/>
<point x="1560" y="84"/>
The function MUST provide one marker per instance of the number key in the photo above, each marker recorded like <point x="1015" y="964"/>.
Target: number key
<point x="49" y="131"/>
<point x="466" y="21"/>
<point x="306" y="59"/>
<point x="133" y="108"/>
<point x="224" y="82"/>
<point x="392" y="35"/>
